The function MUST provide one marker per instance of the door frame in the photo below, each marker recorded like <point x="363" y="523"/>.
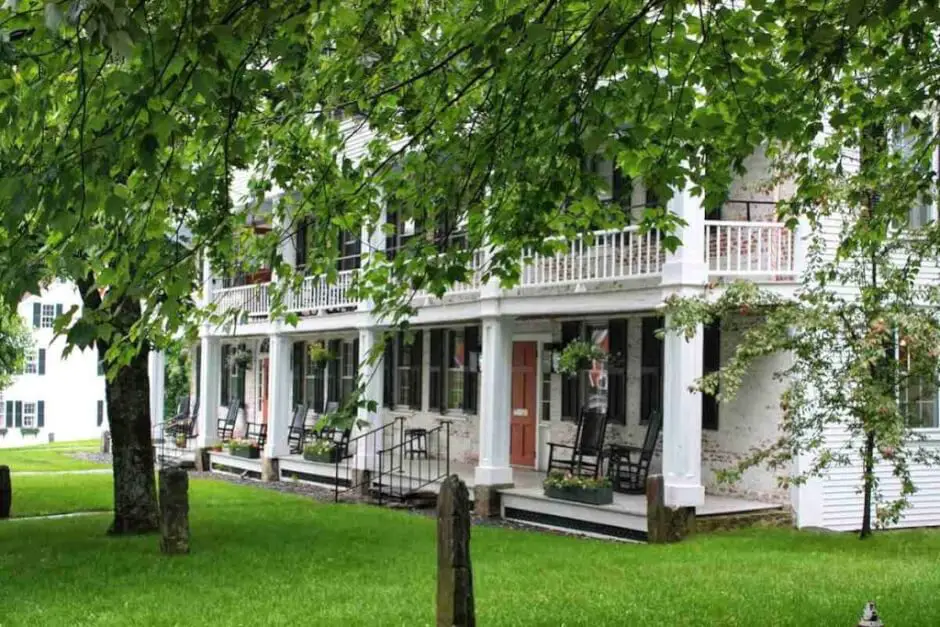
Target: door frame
<point x="540" y="338"/>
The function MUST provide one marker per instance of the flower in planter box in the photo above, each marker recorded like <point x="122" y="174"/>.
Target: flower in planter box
<point x="241" y="445"/>
<point x="559" y="479"/>
<point x="319" y="448"/>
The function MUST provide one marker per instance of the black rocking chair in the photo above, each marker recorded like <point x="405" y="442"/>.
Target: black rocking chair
<point x="587" y="453"/>
<point x="257" y="432"/>
<point x="226" y="426"/>
<point x="630" y="465"/>
<point x="179" y="422"/>
<point x="296" y="435"/>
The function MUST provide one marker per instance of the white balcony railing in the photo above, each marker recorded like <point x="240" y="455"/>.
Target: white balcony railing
<point x="759" y="250"/>
<point x="316" y="294"/>
<point x="250" y="299"/>
<point x="749" y="249"/>
<point x="607" y="255"/>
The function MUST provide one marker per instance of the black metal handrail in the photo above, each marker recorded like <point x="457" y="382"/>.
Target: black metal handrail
<point x="373" y="441"/>
<point x="400" y="477"/>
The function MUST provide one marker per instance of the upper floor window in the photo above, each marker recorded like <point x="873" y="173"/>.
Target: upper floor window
<point x="44" y="314"/>
<point x="911" y="140"/>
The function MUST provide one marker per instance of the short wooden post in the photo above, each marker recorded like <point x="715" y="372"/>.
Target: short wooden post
<point x="105" y="441"/>
<point x="454" y="573"/>
<point x="174" y="510"/>
<point x="6" y="492"/>
<point x="665" y="524"/>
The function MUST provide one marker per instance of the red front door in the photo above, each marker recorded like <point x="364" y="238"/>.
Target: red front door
<point x="264" y="390"/>
<point x="524" y="412"/>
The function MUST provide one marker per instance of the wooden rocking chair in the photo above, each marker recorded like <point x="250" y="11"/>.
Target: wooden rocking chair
<point x="297" y="433"/>
<point x="226" y="425"/>
<point x="630" y="465"/>
<point x="587" y="453"/>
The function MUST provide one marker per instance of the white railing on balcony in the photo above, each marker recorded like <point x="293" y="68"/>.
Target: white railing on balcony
<point x="749" y="249"/>
<point x="252" y="300"/>
<point x="604" y="256"/>
<point x="475" y="280"/>
<point x="316" y="294"/>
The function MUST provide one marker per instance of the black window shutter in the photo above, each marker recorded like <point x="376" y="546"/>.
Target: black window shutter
<point x="355" y="364"/>
<point x="240" y="381"/>
<point x="651" y="372"/>
<point x="300" y="246"/>
<point x="570" y="384"/>
<point x="388" y="372"/>
<point x="711" y="362"/>
<point x="332" y="372"/>
<point x="100" y="413"/>
<point x="9" y="411"/>
<point x="41" y="414"/>
<point x="616" y="372"/>
<point x="225" y="372"/>
<point x="101" y="371"/>
<point x="391" y="241"/>
<point x="297" y="370"/>
<point x="471" y="338"/>
<point x="42" y="361"/>
<point x="37" y="314"/>
<point x="417" y="357"/>
<point x="436" y="370"/>
<point x="19" y="413"/>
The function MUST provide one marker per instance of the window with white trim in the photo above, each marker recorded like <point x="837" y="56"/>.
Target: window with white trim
<point x="917" y="393"/>
<point x="456" y="361"/>
<point x="29" y="415"/>
<point x="909" y="140"/>
<point x="32" y="363"/>
<point x="47" y="316"/>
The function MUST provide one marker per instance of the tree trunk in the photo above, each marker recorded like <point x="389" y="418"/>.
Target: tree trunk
<point x="135" y="491"/>
<point x="869" y="469"/>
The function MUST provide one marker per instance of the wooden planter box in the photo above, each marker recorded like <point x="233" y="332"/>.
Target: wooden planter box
<point x="330" y="457"/>
<point x="592" y="496"/>
<point x="252" y="452"/>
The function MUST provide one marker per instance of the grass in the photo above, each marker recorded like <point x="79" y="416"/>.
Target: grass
<point x="41" y="495"/>
<point x="264" y="558"/>
<point x="49" y="457"/>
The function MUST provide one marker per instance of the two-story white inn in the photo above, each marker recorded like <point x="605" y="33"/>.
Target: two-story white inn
<point x="480" y="376"/>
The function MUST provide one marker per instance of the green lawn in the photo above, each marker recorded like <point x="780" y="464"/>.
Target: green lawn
<point x="264" y="558"/>
<point x="40" y="495"/>
<point x="49" y="457"/>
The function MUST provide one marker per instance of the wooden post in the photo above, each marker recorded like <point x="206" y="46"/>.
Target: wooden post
<point x="870" y="616"/>
<point x="665" y="524"/>
<point x="174" y="510"/>
<point x="454" y="573"/>
<point x="6" y="492"/>
<point x="105" y="441"/>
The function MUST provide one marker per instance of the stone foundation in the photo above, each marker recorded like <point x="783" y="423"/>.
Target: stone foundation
<point x="270" y="470"/>
<point x="201" y="461"/>
<point x="728" y="522"/>
<point x="486" y="500"/>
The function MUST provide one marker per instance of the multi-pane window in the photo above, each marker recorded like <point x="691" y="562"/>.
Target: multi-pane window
<point x="908" y="142"/>
<point x="349" y="251"/>
<point x="47" y="317"/>
<point x="32" y="363"/>
<point x="454" y="369"/>
<point x="314" y="384"/>
<point x="456" y="360"/>
<point x="350" y="365"/>
<point x="917" y="394"/>
<point x="29" y="415"/>
<point x="545" y="408"/>
<point x="408" y="355"/>
<point x="602" y="386"/>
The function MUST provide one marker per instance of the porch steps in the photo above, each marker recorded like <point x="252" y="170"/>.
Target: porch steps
<point x="625" y="518"/>
<point x="531" y="507"/>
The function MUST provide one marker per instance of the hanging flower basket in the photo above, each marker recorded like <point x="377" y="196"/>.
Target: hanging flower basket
<point x="319" y="354"/>
<point x="240" y="357"/>
<point x="579" y="355"/>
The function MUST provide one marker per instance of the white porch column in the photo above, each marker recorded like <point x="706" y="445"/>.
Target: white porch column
<point x="372" y="376"/>
<point x="684" y="273"/>
<point x="495" y="403"/>
<point x="279" y="395"/>
<point x="682" y="421"/>
<point x="209" y="386"/>
<point x="802" y="241"/>
<point x="156" y="366"/>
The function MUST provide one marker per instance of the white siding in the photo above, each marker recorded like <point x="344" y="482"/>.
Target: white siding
<point x="842" y="497"/>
